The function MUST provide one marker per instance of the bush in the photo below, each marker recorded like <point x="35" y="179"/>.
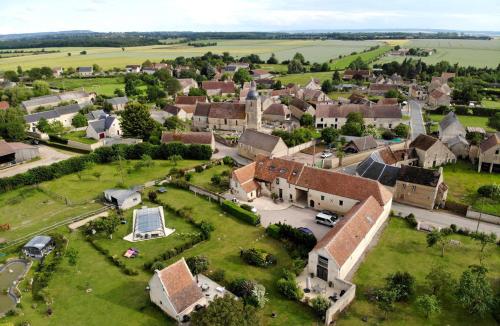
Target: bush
<point x="273" y="230"/>
<point x="240" y="213"/>
<point x="258" y="257"/>
<point x="157" y="265"/>
<point x="490" y="191"/>
<point x="188" y="176"/>
<point x="199" y="168"/>
<point x="289" y="288"/>
<point x="320" y="304"/>
<point x="403" y="283"/>
<point x="246" y="207"/>
<point x="218" y="275"/>
<point x="410" y="219"/>
<point x="228" y="160"/>
<point x="57" y="139"/>
<point x="153" y="196"/>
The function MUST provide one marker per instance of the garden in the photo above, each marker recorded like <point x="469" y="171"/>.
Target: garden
<point x="404" y="253"/>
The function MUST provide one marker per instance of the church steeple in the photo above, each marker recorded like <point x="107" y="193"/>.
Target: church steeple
<point x="253" y="108"/>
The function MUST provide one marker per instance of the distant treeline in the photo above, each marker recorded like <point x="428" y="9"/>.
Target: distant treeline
<point x="202" y="44"/>
<point x="92" y="39"/>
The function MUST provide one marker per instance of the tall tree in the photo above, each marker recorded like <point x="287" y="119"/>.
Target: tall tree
<point x="40" y="88"/>
<point x="226" y="311"/>
<point x="241" y="76"/>
<point x="172" y="86"/>
<point x="136" y="122"/>
<point x="12" y="124"/>
<point x="474" y="291"/>
<point x="428" y="305"/>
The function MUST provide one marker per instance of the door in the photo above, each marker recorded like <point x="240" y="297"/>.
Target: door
<point x="311" y="203"/>
<point x="281" y="193"/>
<point x="322" y="272"/>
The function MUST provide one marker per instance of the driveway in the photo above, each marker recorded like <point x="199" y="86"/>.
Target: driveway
<point x="223" y="150"/>
<point x="48" y="155"/>
<point x="271" y="213"/>
<point x="445" y="219"/>
<point x="416" y="119"/>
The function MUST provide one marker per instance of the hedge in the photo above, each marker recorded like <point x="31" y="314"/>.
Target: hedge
<point x="113" y="259"/>
<point x="467" y="110"/>
<point x="240" y="213"/>
<point x="57" y="139"/>
<point x="104" y="155"/>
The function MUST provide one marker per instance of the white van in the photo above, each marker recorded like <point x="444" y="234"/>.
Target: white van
<point x="325" y="219"/>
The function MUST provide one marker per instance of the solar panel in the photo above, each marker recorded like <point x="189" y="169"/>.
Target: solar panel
<point x="148" y="220"/>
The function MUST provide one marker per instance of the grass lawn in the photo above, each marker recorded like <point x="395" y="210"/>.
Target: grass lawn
<point x="79" y="136"/>
<point x="28" y="210"/>
<point x="223" y="248"/>
<point x="102" y="86"/>
<point x="405" y="249"/>
<point x="491" y="104"/>
<point x="463" y="180"/>
<point x="203" y="179"/>
<point x="304" y="78"/>
<point x="336" y="95"/>
<point x="466" y="120"/>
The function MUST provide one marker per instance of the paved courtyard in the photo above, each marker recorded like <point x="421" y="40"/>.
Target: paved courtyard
<point x="295" y="216"/>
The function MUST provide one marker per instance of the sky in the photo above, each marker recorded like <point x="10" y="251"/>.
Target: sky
<point x="28" y="16"/>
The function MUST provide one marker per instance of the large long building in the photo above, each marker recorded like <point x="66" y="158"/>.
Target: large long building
<point x="48" y="101"/>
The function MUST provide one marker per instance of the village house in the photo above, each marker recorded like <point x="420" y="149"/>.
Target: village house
<point x="380" y="89"/>
<point x="57" y="71"/>
<point x="489" y="154"/>
<point x="300" y="107"/>
<point x="222" y="88"/>
<point x="335" y="115"/>
<point x="459" y="146"/>
<point x="277" y="112"/>
<point x="314" y="96"/>
<point x="15" y="152"/>
<point x="253" y="143"/>
<point x="85" y="71"/>
<point x="188" y="104"/>
<point x="106" y="127"/>
<point x="360" y="144"/>
<point x="387" y="101"/>
<point x="438" y="98"/>
<point x="118" y="103"/>
<point x="264" y="83"/>
<point x="260" y="74"/>
<point x="63" y="114"/>
<point x="313" y="84"/>
<point x="418" y="92"/>
<point x="450" y="127"/>
<point x="133" y="69"/>
<point x="48" y="101"/>
<point x="187" y="84"/>
<point x="431" y="152"/>
<point x="123" y="198"/>
<point x="396" y="171"/>
<point x="176" y="111"/>
<point x="189" y="138"/>
<point x="351" y="74"/>
<point x="234" y="67"/>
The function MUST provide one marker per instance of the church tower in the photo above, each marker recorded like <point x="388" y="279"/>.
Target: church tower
<point x="253" y="108"/>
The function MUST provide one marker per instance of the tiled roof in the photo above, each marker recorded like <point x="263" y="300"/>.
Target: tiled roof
<point x="344" y="238"/>
<point x="202" y="109"/>
<point x="300" y="104"/>
<point x="245" y="177"/>
<point x="172" y="109"/>
<point x="51" y="114"/>
<point x="449" y="120"/>
<point x="382" y="87"/>
<point x="387" y="101"/>
<point x="269" y="169"/>
<point x="180" y="285"/>
<point x="364" y="143"/>
<point x="203" y="138"/>
<point x="423" y="142"/>
<point x="277" y="109"/>
<point x="224" y="86"/>
<point x="259" y="140"/>
<point x="185" y="82"/>
<point x="436" y="94"/>
<point x="118" y="100"/>
<point x="190" y="100"/>
<point x="493" y="140"/>
<point x="226" y="110"/>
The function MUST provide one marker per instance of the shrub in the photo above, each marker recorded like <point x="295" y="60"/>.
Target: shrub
<point x="403" y="283"/>
<point x="228" y="160"/>
<point x="218" y="275"/>
<point x="206" y="228"/>
<point x="216" y="179"/>
<point x="242" y="287"/>
<point x="320" y="304"/>
<point x="410" y="219"/>
<point x="157" y="265"/>
<point x="290" y="289"/>
<point x="490" y="191"/>
<point x="273" y="230"/>
<point x="199" y="168"/>
<point x="188" y="176"/>
<point x="197" y="264"/>
<point x="258" y="257"/>
<point x="153" y="196"/>
<point x="240" y="213"/>
<point x="57" y="139"/>
<point x="246" y="207"/>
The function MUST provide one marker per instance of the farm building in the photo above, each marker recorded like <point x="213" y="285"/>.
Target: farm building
<point x="16" y="152"/>
<point x="38" y="247"/>
<point x="123" y="198"/>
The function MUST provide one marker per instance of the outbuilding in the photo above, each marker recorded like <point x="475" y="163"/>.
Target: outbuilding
<point x="38" y="247"/>
<point x="123" y="198"/>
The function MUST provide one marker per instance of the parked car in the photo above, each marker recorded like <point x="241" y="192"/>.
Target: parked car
<point x="325" y="219"/>
<point x="305" y="230"/>
<point x="162" y="190"/>
<point x="326" y="155"/>
<point x="332" y="214"/>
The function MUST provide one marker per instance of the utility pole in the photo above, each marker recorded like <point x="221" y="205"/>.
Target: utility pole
<point x="480" y="215"/>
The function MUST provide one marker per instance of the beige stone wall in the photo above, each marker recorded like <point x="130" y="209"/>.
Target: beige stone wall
<point x="226" y="124"/>
<point x="416" y="195"/>
<point x="437" y="155"/>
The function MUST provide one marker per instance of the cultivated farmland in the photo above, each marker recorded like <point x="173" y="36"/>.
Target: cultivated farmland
<point x="313" y="50"/>
<point x="477" y="53"/>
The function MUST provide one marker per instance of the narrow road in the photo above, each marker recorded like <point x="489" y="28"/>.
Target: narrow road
<point x="416" y="119"/>
<point x="445" y="219"/>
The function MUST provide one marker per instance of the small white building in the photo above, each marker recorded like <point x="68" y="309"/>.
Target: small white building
<point x="175" y="291"/>
<point x="85" y="71"/>
<point x="123" y="198"/>
<point x="107" y="127"/>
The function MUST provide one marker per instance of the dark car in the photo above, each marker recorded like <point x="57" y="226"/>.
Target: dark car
<point x="305" y="230"/>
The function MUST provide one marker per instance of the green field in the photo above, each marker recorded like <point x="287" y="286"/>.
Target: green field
<point x="463" y="180"/>
<point x="28" y="210"/>
<point x="491" y="104"/>
<point x="466" y="120"/>
<point x="79" y="136"/>
<point x="405" y="249"/>
<point x="103" y="86"/>
<point x="313" y="50"/>
<point x="479" y="53"/>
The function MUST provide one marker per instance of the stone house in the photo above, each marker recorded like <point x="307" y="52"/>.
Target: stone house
<point x="277" y="112"/>
<point x="176" y="111"/>
<point x="417" y="92"/>
<point x="450" y="127"/>
<point x="360" y="144"/>
<point x="459" y="146"/>
<point x="63" y="114"/>
<point x="351" y="74"/>
<point x="380" y="89"/>
<point x="253" y="143"/>
<point x="106" y="127"/>
<point x="188" y="104"/>
<point x="431" y="152"/>
<point x="118" y="103"/>
<point x="135" y="69"/>
<point x="299" y="107"/>
<point x="438" y="98"/>
<point x="489" y="154"/>
<point x="187" y="84"/>
<point x="221" y="88"/>
<point x="335" y="115"/>
<point x="85" y="71"/>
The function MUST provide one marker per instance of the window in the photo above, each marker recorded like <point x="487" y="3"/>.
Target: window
<point x="321" y="119"/>
<point x="322" y="261"/>
<point x="277" y="181"/>
<point x="497" y="151"/>
<point x="322" y="197"/>
<point x="413" y="188"/>
<point x="341" y="203"/>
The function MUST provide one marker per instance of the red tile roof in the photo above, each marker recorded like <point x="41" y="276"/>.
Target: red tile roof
<point x="387" y="101"/>
<point x="180" y="285"/>
<point x="345" y="237"/>
<point x="202" y="138"/>
<point x="190" y="100"/>
<point x="277" y="109"/>
<point x="382" y="87"/>
<point x="226" y="110"/>
<point x="423" y="142"/>
<point x="224" y="86"/>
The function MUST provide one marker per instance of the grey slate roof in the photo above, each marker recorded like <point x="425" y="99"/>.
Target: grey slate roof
<point x="39" y="242"/>
<point x="364" y="143"/>
<point x="96" y="114"/>
<point x="119" y="194"/>
<point x="51" y="114"/>
<point x="85" y="69"/>
<point x="259" y="140"/>
<point x="118" y="100"/>
<point x="448" y="120"/>
<point x="102" y="125"/>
